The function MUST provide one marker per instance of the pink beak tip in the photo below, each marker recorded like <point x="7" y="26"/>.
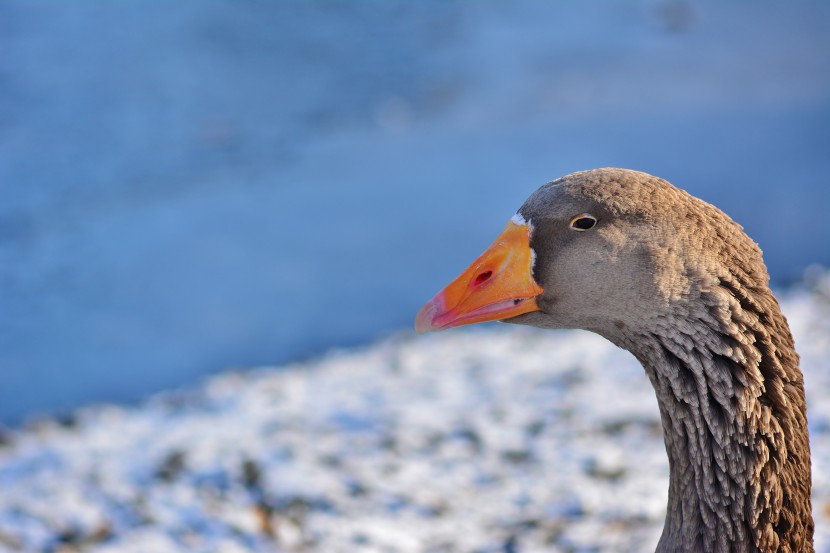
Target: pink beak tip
<point x="425" y="317"/>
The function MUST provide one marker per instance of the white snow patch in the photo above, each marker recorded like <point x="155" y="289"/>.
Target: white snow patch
<point x="491" y="439"/>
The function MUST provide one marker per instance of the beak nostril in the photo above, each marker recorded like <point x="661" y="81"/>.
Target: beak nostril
<point x="482" y="278"/>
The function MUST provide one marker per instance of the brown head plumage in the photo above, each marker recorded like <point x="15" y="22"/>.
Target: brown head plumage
<point x="676" y="282"/>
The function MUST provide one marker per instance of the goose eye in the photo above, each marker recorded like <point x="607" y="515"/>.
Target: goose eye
<point x="583" y="222"/>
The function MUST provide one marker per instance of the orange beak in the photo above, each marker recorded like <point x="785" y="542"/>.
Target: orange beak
<point x="498" y="285"/>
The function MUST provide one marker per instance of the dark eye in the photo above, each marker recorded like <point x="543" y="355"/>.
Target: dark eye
<point x="583" y="222"/>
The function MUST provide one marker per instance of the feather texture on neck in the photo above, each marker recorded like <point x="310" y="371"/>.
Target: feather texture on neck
<point x="732" y="403"/>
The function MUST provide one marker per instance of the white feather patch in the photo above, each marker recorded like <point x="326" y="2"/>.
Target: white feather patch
<point x="517" y="219"/>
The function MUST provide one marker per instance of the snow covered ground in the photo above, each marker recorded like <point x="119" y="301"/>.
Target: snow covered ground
<point x="501" y="439"/>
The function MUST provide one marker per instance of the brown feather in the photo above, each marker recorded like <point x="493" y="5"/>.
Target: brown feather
<point x="675" y="281"/>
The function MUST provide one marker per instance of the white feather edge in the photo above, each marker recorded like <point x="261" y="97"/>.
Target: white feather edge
<point x="518" y="219"/>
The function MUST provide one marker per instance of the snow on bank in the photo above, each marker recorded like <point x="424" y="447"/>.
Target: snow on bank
<point x="501" y="439"/>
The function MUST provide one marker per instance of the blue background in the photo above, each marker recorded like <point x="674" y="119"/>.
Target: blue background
<point x="194" y="186"/>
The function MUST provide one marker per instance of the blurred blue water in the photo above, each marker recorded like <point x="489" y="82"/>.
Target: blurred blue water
<point x="195" y="186"/>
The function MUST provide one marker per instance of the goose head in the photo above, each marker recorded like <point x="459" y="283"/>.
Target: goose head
<point x="609" y="250"/>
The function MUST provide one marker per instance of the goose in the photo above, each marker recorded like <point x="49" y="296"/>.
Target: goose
<point x="676" y="282"/>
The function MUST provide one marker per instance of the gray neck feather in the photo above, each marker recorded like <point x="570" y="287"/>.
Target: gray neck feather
<point x="679" y="284"/>
<point x="732" y="404"/>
